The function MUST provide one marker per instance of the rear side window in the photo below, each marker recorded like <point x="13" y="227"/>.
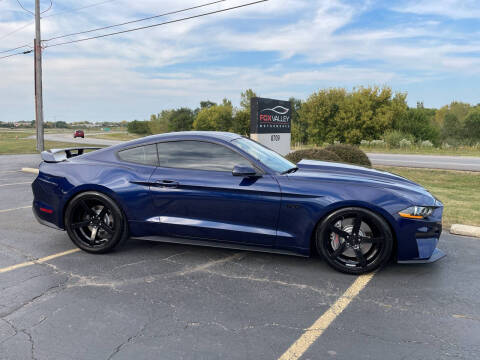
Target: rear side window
<point x="198" y="155"/>
<point x="145" y="155"/>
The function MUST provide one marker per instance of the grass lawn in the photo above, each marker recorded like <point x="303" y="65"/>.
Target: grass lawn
<point x="458" y="190"/>
<point x="115" y="136"/>
<point x="17" y="142"/>
<point x="460" y="151"/>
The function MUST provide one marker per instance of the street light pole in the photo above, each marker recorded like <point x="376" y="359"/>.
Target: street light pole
<point x="38" y="79"/>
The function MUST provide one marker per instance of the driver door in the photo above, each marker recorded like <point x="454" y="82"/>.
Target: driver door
<point x="195" y="195"/>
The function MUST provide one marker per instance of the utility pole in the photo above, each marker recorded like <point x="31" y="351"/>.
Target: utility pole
<point x="38" y="78"/>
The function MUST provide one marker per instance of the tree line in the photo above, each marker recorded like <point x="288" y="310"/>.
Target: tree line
<point x="361" y="115"/>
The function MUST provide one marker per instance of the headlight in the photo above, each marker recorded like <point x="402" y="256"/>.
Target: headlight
<point x="417" y="212"/>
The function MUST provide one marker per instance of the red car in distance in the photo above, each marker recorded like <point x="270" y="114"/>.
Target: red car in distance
<point x="78" y="133"/>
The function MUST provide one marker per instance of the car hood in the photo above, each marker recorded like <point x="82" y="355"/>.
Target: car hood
<point x="329" y="171"/>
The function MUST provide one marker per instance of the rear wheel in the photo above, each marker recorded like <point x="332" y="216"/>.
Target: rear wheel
<point x="354" y="240"/>
<point x="95" y="223"/>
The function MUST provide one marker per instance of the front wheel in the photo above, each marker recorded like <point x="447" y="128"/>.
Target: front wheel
<point x="354" y="240"/>
<point x="95" y="223"/>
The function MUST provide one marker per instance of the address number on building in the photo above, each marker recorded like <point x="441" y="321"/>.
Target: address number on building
<point x="275" y="138"/>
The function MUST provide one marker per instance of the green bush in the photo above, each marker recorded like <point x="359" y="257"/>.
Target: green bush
<point x="349" y="154"/>
<point x="394" y="137"/>
<point x="138" y="127"/>
<point x="313" y="154"/>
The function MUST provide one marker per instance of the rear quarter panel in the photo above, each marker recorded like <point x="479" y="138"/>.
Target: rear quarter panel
<point x="58" y="183"/>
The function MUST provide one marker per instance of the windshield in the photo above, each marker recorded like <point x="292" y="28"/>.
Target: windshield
<point x="266" y="156"/>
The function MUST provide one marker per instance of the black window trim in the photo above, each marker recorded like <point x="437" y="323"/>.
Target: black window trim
<point x="259" y="170"/>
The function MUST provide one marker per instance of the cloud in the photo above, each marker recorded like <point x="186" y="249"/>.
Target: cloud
<point x="455" y="9"/>
<point x="279" y="48"/>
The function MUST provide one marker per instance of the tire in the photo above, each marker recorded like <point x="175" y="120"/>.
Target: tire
<point x="95" y="223"/>
<point x="354" y="240"/>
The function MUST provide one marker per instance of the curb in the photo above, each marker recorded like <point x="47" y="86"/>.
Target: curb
<point x="465" y="230"/>
<point x="30" y="170"/>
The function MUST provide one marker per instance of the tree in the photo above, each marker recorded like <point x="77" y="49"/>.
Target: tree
<point x="417" y="123"/>
<point x="159" y="123"/>
<point x="451" y="129"/>
<point x="207" y="104"/>
<point x="61" y="125"/>
<point x="245" y="98"/>
<point x="299" y="125"/>
<point x="472" y="126"/>
<point x="241" y="122"/>
<point x="459" y="109"/>
<point x="215" y="118"/>
<point x="364" y="113"/>
<point x="138" y="127"/>
<point x="180" y="120"/>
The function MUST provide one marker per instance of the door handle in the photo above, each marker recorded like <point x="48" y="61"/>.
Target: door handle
<point x="167" y="183"/>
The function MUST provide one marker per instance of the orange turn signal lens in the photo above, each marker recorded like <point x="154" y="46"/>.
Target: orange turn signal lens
<point x="410" y="216"/>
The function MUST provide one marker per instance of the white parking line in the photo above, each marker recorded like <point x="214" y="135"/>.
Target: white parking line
<point x="311" y="334"/>
<point x="20" y="183"/>
<point x="22" y="207"/>
<point x="9" y="171"/>
<point x="38" y="261"/>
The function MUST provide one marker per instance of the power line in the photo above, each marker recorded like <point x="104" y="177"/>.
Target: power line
<point x="18" y="53"/>
<point x="9" y="50"/>
<point x="19" y="3"/>
<point x="78" y="9"/>
<point x="158" y="24"/>
<point x="51" y="4"/>
<point x="55" y="14"/>
<point x="135" y="21"/>
<point x="16" y="30"/>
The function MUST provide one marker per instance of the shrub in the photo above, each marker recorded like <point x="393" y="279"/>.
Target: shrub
<point x="313" y="154"/>
<point x="350" y="154"/>
<point x="138" y="127"/>
<point x="377" y="143"/>
<point x="393" y="138"/>
<point x="405" y="143"/>
<point x="427" y="143"/>
<point x="365" y="143"/>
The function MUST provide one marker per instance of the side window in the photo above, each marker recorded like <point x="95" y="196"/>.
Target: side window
<point x="145" y="155"/>
<point x="198" y="155"/>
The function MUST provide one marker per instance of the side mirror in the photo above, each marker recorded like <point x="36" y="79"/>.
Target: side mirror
<point x="243" y="170"/>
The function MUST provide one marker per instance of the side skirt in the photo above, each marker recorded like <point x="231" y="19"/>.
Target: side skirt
<point x="215" y="244"/>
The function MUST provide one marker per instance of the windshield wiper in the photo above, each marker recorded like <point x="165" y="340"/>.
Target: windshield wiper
<point x="289" y="171"/>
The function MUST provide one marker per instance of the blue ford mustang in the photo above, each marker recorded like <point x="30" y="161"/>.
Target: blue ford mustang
<point x="222" y="189"/>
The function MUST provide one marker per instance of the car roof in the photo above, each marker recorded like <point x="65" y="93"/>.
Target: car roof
<point x="108" y="152"/>
<point x="185" y="135"/>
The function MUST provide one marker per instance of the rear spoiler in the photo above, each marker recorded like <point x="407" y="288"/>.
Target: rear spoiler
<point x="58" y="155"/>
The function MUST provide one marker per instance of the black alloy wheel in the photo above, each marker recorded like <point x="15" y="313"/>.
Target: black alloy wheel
<point x="95" y="223"/>
<point x="354" y="240"/>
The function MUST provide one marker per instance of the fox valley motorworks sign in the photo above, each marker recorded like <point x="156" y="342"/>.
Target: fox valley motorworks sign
<point x="271" y="123"/>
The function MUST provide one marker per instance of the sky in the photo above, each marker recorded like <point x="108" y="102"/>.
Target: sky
<point x="280" y="48"/>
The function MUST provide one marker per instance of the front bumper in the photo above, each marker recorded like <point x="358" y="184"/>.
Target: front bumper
<point x="437" y="255"/>
<point x="418" y="239"/>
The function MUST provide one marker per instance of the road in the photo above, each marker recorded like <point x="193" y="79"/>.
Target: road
<point x="468" y="163"/>
<point x="67" y="137"/>
<point x="152" y="300"/>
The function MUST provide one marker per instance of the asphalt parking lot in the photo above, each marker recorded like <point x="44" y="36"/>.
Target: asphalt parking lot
<point x="162" y="301"/>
